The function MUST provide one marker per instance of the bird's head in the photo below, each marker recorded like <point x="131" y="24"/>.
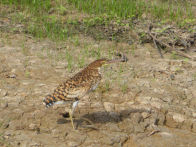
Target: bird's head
<point x="97" y="64"/>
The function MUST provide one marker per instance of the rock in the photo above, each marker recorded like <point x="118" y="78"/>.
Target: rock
<point x="145" y="115"/>
<point x="109" y="106"/>
<point x="174" y="120"/>
<point x="179" y="117"/>
<point x="33" y="126"/>
<point x="170" y="121"/>
<point x="172" y="77"/>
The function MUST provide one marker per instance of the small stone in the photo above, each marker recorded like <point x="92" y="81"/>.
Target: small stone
<point x="174" y="120"/>
<point x="172" y="77"/>
<point x="145" y="115"/>
<point x="170" y="122"/>
<point x="33" y="126"/>
<point x="109" y="106"/>
<point x="179" y="118"/>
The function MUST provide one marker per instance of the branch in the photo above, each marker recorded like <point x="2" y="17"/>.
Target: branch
<point x="168" y="48"/>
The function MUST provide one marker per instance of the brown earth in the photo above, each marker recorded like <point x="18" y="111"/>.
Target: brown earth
<point x="147" y="101"/>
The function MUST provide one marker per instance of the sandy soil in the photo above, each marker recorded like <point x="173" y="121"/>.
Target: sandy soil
<point x="150" y="101"/>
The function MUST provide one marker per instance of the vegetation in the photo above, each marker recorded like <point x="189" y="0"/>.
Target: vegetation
<point x="44" y="18"/>
<point x="48" y="19"/>
<point x="165" y="9"/>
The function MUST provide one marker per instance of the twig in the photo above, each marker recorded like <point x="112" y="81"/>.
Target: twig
<point x="153" y="132"/>
<point x="158" y="48"/>
<point x="155" y="43"/>
<point x="169" y="47"/>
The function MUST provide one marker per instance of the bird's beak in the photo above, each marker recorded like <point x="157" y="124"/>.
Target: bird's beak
<point x="116" y="60"/>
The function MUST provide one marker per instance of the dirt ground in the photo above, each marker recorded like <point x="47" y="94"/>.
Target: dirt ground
<point x="150" y="102"/>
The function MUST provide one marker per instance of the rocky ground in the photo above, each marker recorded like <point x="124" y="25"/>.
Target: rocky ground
<point x="147" y="102"/>
<point x="150" y="101"/>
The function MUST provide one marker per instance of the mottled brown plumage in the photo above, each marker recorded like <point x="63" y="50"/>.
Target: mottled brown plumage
<point x="79" y="85"/>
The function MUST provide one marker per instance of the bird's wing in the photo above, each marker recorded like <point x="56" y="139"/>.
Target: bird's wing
<point x="78" y="91"/>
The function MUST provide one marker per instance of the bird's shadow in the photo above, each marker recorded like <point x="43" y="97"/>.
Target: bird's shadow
<point x="102" y="116"/>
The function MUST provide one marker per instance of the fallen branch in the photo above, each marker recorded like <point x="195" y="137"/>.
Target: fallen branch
<point x="168" y="47"/>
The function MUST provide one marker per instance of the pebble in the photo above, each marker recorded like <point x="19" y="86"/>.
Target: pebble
<point x="174" y="120"/>
<point x="109" y="106"/>
<point x="33" y="126"/>
<point x="178" y="117"/>
<point x="145" y="115"/>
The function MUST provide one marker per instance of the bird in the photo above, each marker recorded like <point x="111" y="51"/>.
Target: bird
<point x="76" y="87"/>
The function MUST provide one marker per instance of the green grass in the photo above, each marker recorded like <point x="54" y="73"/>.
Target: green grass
<point x="125" y="9"/>
<point x="44" y="18"/>
<point x="35" y="6"/>
<point x="35" y="15"/>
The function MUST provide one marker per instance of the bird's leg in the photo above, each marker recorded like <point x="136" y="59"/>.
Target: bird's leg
<point x="71" y="118"/>
<point x="74" y="105"/>
<point x="71" y="112"/>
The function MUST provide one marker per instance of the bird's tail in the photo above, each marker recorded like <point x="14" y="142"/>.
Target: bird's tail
<point x="49" y="100"/>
